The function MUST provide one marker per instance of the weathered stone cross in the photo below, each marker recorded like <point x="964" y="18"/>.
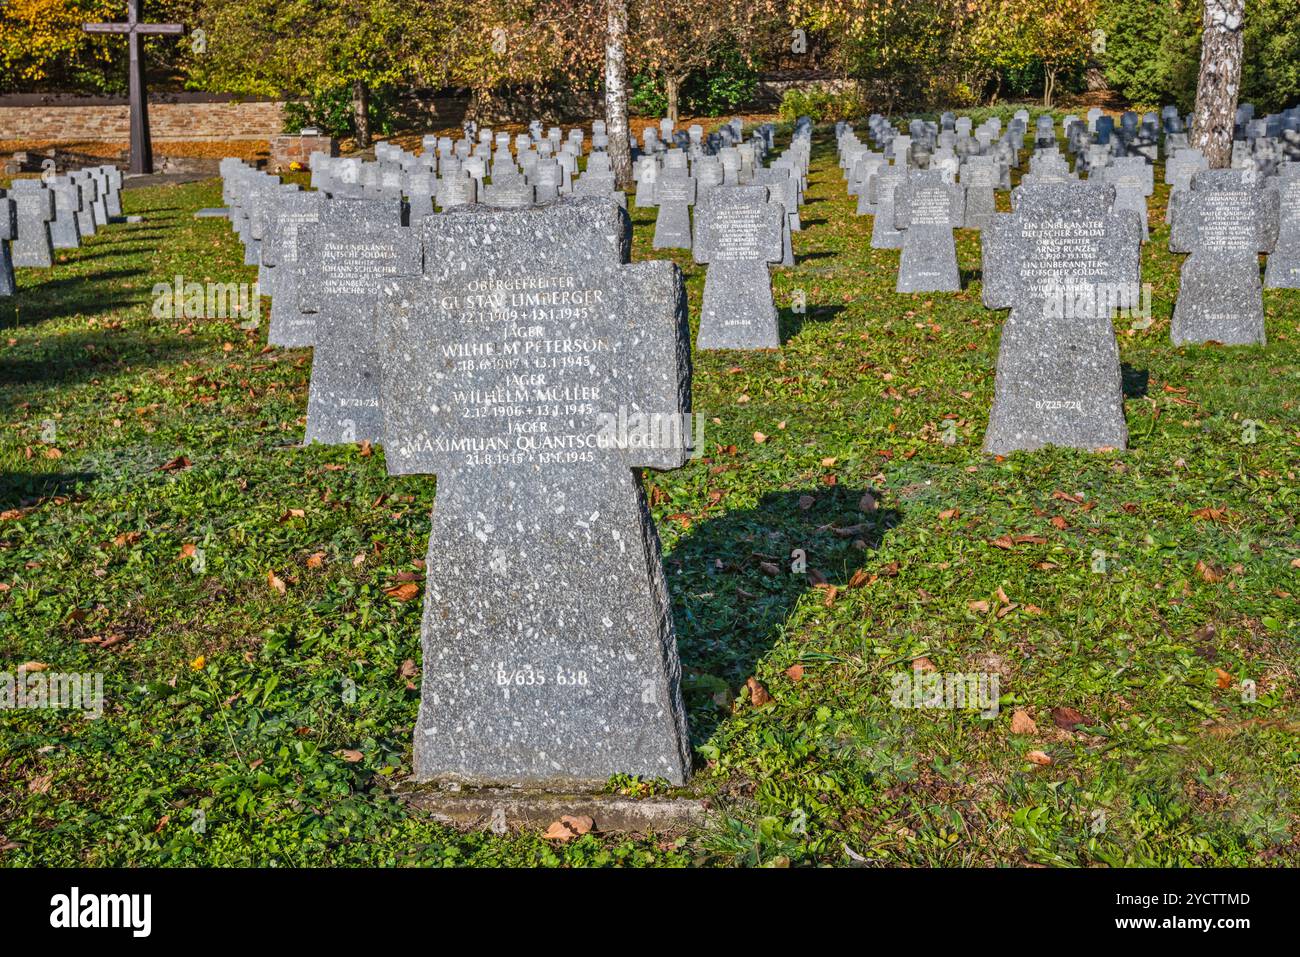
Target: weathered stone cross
<point x="141" y="148"/>
<point x="533" y="370"/>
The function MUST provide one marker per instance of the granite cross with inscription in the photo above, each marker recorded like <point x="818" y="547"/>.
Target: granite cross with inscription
<point x="927" y="207"/>
<point x="1062" y="261"/>
<point x="533" y="371"/>
<point x="1225" y="220"/>
<point x="737" y="233"/>
<point x="141" y="146"/>
<point x="357" y="244"/>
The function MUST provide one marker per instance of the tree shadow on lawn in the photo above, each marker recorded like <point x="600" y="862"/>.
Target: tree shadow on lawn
<point x="62" y="360"/>
<point x="1135" y="381"/>
<point x="69" y="295"/>
<point x="22" y="489"/>
<point x="729" y="610"/>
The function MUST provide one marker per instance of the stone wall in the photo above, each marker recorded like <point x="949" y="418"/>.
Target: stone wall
<point x="71" y="119"/>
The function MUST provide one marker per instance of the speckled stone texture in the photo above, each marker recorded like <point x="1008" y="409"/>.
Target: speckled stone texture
<point x="35" y="203"/>
<point x="926" y="208"/>
<point x="289" y="325"/>
<point x="1283" y="270"/>
<point x="1225" y="219"/>
<point x="8" y="228"/>
<point x="737" y="233"/>
<point x="519" y="371"/>
<point x="356" y="246"/>
<point x="1061" y="261"/>
<point x="884" y="234"/>
<point x="674" y="195"/>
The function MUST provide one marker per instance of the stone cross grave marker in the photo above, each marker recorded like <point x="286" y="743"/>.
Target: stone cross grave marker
<point x="1283" y="270"/>
<point x="1062" y="261"/>
<point x="290" y="326"/>
<point x="884" y="234"/>
<point x="927" y="207"/>
<point x="32" y="246"/>
<point x="1133" y="179"/>
<point x="533" y="370"/>
<point x="737" y="233"/>
<point x="64" y="230"/>
<point x="356" y="245"/>
<point x="8" y="230"/>
<point x="1225" y="220"/>
<point x="675" y="195"/>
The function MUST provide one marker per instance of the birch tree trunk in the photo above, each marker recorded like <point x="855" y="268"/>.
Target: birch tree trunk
<point x="620" y="151"/>
<point x="361" y="113"/>
<point x="1215" y="116"/>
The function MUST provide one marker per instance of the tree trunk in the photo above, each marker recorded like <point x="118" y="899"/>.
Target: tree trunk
<point x="1049" y="86"/>
<point x="361" y="113"/>
<point x="672" y="90"/>
<point x="1215" y="116"/>
<point x="620" y="150"/>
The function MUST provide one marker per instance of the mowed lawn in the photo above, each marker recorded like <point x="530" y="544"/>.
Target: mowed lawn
<point x="243" y="595"/>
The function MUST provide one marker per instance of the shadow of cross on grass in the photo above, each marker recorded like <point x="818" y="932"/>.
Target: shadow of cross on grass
<point x="735" y="583"/>
<point x="25" y="489"/>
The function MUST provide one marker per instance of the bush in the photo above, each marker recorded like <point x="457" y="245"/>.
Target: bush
<point x="819" y="103"/>
<point x="331" y="112"/>
<point x="730" y="82"/>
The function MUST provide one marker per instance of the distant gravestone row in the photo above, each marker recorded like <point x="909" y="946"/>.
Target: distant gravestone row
<point x="38" y="216"/>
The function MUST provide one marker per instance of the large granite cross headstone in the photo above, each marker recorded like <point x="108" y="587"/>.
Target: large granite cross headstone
<point x="1062" y="261"/>
<point x="355" y="247"/>
<point x="533" y="370"/>
<point x="737" y="233"/>
<point x="927" y="207"/>
<point x="1225" y="220"/>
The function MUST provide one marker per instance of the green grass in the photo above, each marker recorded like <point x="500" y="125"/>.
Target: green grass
<point x="1175" y="769"/>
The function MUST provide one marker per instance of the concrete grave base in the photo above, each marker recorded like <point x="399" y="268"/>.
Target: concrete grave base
<point x="499" y="809"/>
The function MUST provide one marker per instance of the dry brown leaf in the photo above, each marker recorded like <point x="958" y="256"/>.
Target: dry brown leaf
<point x="1067" y="719"/>
<point x="1208" y="572"/>
<point x="758" y="695"/>
<point x="1021" y="723"/>
<point x="28" y="666"/>
<point x="760" y="438"/>
<point x="568" y="827"/>
<point x="403" y="592"/>
<point x="794" y="672"/>
<point x="39" y="785"/>
<point x="769" y="568"/>
<point x="1222" y="678"/>
<point x="949" y="513"/>
<point x="806" y="502"/>
<point x="175" y="465"/>
<point x="128" y="538"/>
<point x="868" y="503"/>
<point x="980" y="607"/>
<point x="923" y="664"/>
<point x="350" y="756"/>
<point x="408" y="669"/>
<point x="276" y="582"/>
<point x="188" y="551"/>
<point x="315" y="559"/>
<point x="1038" y="757"/>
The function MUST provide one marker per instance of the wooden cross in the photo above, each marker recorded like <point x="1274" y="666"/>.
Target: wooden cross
<point x="141" y="148"/>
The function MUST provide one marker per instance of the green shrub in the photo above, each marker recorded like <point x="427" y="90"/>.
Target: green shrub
<point x="819" y="103"/>
<point x="331" y="112"/>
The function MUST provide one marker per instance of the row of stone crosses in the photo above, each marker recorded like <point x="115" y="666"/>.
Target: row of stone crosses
<point x="512" y="348"/>
<point x="38" y="216"/>
<point x="1067" y="257"/>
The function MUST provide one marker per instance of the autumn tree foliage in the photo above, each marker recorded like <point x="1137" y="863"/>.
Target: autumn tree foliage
<point x="671" y="39"/>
